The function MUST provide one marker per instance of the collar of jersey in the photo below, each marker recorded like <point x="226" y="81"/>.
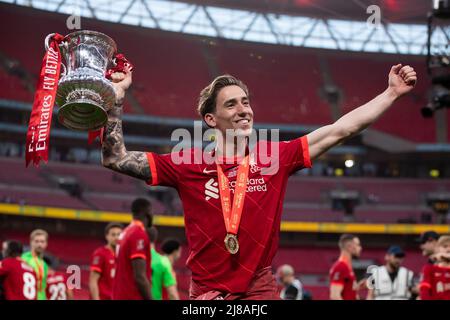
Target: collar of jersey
<point x="138" y="223"/>
<point x="341" y="258"/>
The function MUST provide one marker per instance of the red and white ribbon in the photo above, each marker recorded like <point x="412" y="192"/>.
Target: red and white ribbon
<point x="38" y="134"/>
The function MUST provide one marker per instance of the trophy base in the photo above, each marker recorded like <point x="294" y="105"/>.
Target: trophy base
<point x="82" y="115"/>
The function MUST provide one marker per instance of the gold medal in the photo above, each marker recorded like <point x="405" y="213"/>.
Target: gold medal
<point x="232" y="243"/>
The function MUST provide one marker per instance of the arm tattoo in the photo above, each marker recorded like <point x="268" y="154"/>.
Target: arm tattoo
<point x="114" y="154"/>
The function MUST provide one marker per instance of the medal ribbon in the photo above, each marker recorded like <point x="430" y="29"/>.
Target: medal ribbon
<point x="232" y="216"/>
<point x="39" y="271"/>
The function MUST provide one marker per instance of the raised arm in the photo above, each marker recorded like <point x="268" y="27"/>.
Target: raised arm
<point x="114" y="154"/>
<point x="401" y="81"/>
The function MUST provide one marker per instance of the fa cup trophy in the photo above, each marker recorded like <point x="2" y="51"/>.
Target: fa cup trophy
<point x="84" y="95"/>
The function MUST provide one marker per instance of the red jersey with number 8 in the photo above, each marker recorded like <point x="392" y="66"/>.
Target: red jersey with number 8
<point x="19" y="279"/>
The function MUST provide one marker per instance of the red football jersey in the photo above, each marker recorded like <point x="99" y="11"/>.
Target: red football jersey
<point x="104" y="262"/>
<point x="133" y="244"/>
<point x="19" y="279"/>
<point x="437" y="280"/>
<point x="425" y="288"/>
<point x="211" y="264"/>
<point x="342" y="274"/>
<point x="56" y="286"/>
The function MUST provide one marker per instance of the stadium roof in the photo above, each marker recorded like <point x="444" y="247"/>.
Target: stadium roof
<point x="398" y="11"/>
<point x="324" y="31"/>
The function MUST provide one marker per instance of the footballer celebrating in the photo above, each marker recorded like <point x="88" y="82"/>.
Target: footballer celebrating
<point x="233" y="231"/>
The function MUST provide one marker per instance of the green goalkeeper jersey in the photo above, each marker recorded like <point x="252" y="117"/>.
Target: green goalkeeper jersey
<point x="162" y="275"/>
<point x="41" y="269"/>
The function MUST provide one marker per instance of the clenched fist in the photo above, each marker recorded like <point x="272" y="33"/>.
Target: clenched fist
<point x="402" y="79"/>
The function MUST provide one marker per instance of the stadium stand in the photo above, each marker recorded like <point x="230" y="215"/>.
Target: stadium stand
<point x="307" y="198"/>
<point x="12" y="87"/>
<point x="279" y="79"/>
<point x="350" y="69"/>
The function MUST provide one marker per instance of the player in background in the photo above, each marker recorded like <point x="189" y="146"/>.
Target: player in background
<point x="57" y="287"/>
<point x="171" y="248"/>
<point x="17" y="277"/>
<point x="292" y="287"/>
<point x="343" y="285"/>
<point x="163" y="277"/>
<point x="428" y="243"/>
<point x="392" y="281"/>
<point x="436" y="279"/>
<point x="35" y="258"/>
<point x="132" y="280"/>
<point x="103" y="264"/>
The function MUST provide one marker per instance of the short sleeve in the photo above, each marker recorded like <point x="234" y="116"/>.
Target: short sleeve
<point x="338" y="275"/>
<point x="168" y="275"/>
<point x="294" y="154"/>
<point x="139" y="246"/>
<point x="97" y="262"/>
<point x="163" y="169"/>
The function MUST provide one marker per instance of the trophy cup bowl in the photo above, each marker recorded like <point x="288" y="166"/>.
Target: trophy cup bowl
<point x="84" y="94"/>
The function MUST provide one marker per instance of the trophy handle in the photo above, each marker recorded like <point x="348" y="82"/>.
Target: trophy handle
<point x="47" y="45"/>
<point x="64" y="72"/>
<point x="47" y="40"/>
